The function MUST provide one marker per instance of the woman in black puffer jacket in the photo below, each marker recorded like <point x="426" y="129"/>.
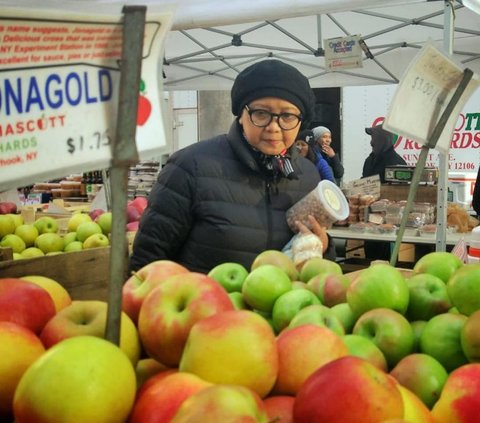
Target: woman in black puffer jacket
<point x="224" y="199"/>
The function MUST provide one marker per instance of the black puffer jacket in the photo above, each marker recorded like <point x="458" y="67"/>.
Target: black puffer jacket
<point x="212" y="204"/>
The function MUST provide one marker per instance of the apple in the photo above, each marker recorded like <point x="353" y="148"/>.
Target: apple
<point x="81" y="379"/>
<point x="390" y="331"/>
<point x="28" y="233"/>
<point x="76" y="219"/>
<point x="95" y="214"/>
<point x="17" y="256"/>
<point x="459" y="401"/>
<point x="428" y="297"/>
<point x="319" y="315"/>
<point x="289" y="304"/>
<point x="299" y="285"/>
<point x="230" y="275"/>
<point x="73" y="246"/>
<point x="68" y="238"/>
<point x="301" y="351"/>
<point x="7" y="207"/>
<point x="140" y="203"/>
<point x="222" y="403"/>
<point x="46" y="224"/>
<point x="264" y="285"/>
<point x="19" y="348"/>
<point x="330" y="288"/>
<point x="14" y="242"/>
<point x="136" y="288"/>
<point x="60" y="296"/>
<point x="441" y="339"/>
<point x="169" y="311"/>
<point x="133" y="215"/>
<point x="105" y="222"/>
<point x="414" y="410"/>
<point x="346" y="316"/>
<point x="154" y="378"/>
<point x="17" y="219"/>
<point x="418" y="326"/>
<point x="279" y="408"/>
<point x="233" y="347"/>
<point x="438" y="263"/>
<point x="146" y="369"/>
<point x="276" y="258"/>
<point x="132" y="226"/>
<point x="49" y="242"/>
<point x="237" y="300"/>
<point x="7" y="225"/>
<point x="360" y="346"/>
<point x="160" y="401"/>
<point x="423" y="375"/>
<point x="89" y="317"/>
<point x="379" y="286"/>
<point x="348" y="390"/>
<point x="470" y="337"/>
<point x="25" y="303"/>
<point x="316" y="265"/>
<point x="32" y="252"/>
<point x="96" y="241"/>
<point x="464" y="290"/>
<point x="86" y="229"/>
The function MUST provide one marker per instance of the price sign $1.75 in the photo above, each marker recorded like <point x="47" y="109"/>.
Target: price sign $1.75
<point x="93" y="142"/>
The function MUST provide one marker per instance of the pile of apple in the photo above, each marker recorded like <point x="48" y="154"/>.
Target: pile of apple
<point x="272" y="343"/>
<point x="135" y="209"/>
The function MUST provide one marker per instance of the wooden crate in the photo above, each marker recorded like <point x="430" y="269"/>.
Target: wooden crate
<point x="85" y="274"/>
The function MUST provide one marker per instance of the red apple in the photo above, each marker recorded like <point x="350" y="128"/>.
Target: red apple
<point x="234" y="347"/>
<point x="301" y="351"/>
<point x="140" y="203"/>
<point x="153" y="379"/>
<point x="330" y="288"/>
<point x="132" y="226"/>
<point x="160" y="401"/>
<point x="142" y="282"/>
<point x="7" y="207"/>
<point x="133" y="215"/>
<point x="25" y="303"/>
<point x="279" y="408"/>
<point x="170" y="310"/>
<point x="95" y="213"/>
<point x="348" y="390"/>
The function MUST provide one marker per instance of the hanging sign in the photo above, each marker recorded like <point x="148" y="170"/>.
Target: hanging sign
<point x="59" y="90"/>
<point x="423" y="94"/>
<point x="343" y="53"/>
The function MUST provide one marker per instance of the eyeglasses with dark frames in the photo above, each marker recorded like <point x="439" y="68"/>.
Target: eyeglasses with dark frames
<point x="262" y="118"/>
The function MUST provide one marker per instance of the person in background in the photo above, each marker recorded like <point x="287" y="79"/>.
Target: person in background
<point x="225" y="199"/>
<point x="383" y="154"/>
<point x="304" y="145"/>
<point x="323" y="140"/>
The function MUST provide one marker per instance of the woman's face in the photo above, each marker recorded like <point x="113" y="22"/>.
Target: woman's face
<point x="271" y="139"/>
<point x="302" y="147"/>
<point x="325" y="139"/>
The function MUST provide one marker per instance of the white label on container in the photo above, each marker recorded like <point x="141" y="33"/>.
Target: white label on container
<point x="332" y="199"/>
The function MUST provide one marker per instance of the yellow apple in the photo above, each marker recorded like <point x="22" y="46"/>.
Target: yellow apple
<point x="60" y="296"/>
<point x="76" y="219"/>
<point x="32" y="252"/>
<point x="49" y="242"/>
<point x="14" y="242"/>
<point x="96" y="241"/>
<point x="17" y="219"/>
<point x="7" y="225"/>
<point x="86" y="229"/>
<point x="28" y="233"/>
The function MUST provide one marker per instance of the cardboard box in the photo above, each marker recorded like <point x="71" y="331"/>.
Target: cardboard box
<point x="84" y="274"/>
<point x="399" y="192"/>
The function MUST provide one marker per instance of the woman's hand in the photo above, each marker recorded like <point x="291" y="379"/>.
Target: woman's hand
<point x="316" y="229"/>
<point x="329" y="151"/>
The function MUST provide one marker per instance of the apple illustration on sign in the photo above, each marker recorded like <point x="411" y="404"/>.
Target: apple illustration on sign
<point x="144" y="106"/>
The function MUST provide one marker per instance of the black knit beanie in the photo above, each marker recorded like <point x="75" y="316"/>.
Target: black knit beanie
<point x="273" y="78"/>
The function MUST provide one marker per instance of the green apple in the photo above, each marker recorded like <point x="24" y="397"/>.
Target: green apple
<point x="32" y="252"/>
<point x="463" y="288"/>
<point x="378" y="286"/>
<point x="94" y="382"/>
<point x="289" y="304"/>
<point x="7" y="225"/>
<point x="46" y="224"/>
<point x="73" y="246"/>
<point x="264" y="285"/>
<point x="17" y="219"/>
<point x="423" y="375"/>
<point x="68" y="238"/>
<point x="346" y="316"/>
<point x="276" y="258"/>
<point x="13" y="241"/>
<point x="28" y="233"/>
<point x="17" y="256"/>
<point x="96" y="241"/>
<point x="76" y="219"/>
<point x="237" y="300"/>
<point x="105" y="222"/>
<point x="365" y="348"/>
<point x="389" y="330"/>
<point x="441" y="339"/>
<point x="230" y="275"/>
<point x="418" y="326"/>
<point x="330" y="288"/>
<point x="439" y="263"/>
<point x="470" y="337"/>
<point x="316" y="265"/>
<point x="428" y="297"/>
<point x="320" y="315"/>
<point x="85" y="229"/>
<point x="49" y="242"/>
